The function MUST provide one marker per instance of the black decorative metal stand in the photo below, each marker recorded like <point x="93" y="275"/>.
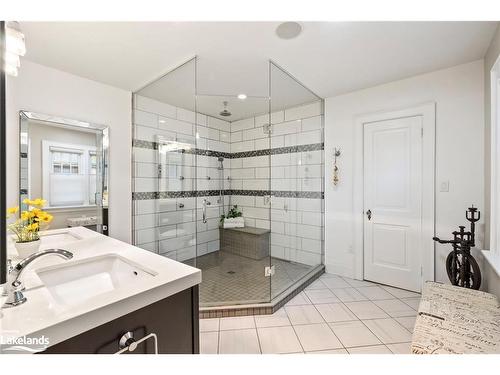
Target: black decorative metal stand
<point x="461" y="266"/>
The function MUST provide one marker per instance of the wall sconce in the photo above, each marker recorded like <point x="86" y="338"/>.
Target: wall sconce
<point x="336" y="154"/>
<point x="15" y="47"/>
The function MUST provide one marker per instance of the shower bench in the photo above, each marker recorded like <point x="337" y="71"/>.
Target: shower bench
<point x="248" y="242"/>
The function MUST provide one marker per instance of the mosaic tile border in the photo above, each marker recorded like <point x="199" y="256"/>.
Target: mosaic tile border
<point x="279" y="193"/>
<point x="235" y="155"/>
<point x="279" y="150"/>
<point x="144" y="144"/>
<point x="268" y="308"/>
<point x="194" y="151"/>
<point x="138" y="196"/>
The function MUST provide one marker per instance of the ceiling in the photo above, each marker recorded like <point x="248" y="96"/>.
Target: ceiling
<point x="330" y="58"/>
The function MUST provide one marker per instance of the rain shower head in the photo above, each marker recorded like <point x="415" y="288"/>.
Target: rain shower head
<point x="225" y="112"/>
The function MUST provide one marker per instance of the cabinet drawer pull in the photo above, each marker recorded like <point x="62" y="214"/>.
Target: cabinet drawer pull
<point x="127" y="342"/>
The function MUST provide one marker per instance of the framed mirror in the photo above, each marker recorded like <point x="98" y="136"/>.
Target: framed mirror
<point x="65" y="162"/>
<point x="3" y="164"/>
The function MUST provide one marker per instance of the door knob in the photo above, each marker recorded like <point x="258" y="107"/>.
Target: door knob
<point x="369" y="214"/>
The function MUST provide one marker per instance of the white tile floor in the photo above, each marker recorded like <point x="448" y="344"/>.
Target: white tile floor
<point x="334" y="315"/>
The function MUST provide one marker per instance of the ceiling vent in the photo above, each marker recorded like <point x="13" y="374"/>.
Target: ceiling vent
<point x="288" y="30"/>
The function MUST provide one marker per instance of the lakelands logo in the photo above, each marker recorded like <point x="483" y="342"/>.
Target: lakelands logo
<point x="26" y="344"/>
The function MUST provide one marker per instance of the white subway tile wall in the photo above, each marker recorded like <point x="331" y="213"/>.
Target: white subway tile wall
<point x="296" y="224"/>
<point x="168" y="226"/>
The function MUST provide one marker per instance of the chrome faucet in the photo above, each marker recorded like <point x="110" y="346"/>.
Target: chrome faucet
<point x="14" y="286"/>
<point x="10" y="267"/>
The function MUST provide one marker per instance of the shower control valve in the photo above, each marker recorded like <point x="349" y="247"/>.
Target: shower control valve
<point x="267" y="129"/>
<point x="267" y="200"/>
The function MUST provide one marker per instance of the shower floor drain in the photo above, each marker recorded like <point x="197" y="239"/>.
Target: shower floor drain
<point x="231" y="272"/>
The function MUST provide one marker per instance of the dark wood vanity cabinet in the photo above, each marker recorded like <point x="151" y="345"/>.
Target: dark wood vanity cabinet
<point x="174" y="320"/>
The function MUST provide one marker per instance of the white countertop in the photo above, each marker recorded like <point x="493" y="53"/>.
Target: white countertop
<point x="42" y="315"/>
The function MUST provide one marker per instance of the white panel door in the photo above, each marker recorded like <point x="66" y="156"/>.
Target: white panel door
<point x="393" y="202"/>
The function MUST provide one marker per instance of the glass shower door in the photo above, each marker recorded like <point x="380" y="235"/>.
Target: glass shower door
<point x="176" y="229"/>
<point x="233" y="226"/>
<point x="164" y="165"/>
<point x="233" y="205"/>
<point x="296" y="180"/>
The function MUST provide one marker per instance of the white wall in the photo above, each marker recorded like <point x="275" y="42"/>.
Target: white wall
<point x="492" y="54"/>
<point x="50" y="91"/>
<point x="459" y="96"/>
<point x="489" y="60"/>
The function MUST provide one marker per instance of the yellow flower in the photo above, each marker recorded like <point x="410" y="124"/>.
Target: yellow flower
<point x="44" y="217"/>
<point x="12" y="211"/>
<point x="32" y="227"/>
<point x="25" y="215"/>
<point x="39" y="202"/>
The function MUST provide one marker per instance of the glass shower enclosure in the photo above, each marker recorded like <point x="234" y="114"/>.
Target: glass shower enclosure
<point x="228" y="177"/>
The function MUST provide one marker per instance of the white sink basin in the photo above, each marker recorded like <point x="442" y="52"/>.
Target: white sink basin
<point x="79" y="281"/>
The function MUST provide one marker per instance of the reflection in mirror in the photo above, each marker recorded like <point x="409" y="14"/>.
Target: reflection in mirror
<point x="65" y="162"/>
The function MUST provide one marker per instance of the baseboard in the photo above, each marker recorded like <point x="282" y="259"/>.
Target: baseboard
<point x="340" y="269"/>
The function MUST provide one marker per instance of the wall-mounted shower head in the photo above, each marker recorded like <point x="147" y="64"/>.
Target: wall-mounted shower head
<point x="225" y="112"/>
<point x="221" y="165"/>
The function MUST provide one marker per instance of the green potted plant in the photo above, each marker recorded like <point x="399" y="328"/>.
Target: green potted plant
<point x="233" y="219"/>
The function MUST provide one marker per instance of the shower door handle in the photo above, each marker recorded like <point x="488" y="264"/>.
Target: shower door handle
<point x="205" y="204"/>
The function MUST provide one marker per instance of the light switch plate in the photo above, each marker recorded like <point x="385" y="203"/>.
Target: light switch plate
<point x="445" y="186"/>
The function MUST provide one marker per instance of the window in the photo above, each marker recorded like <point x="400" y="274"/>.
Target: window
<point x="93" y="162"/>
<point x="69" y="174"/>
<point x="65" y="162"/>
